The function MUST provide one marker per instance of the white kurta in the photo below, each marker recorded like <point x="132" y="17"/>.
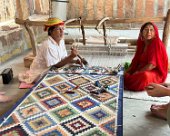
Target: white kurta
<point x="48" y="53"/>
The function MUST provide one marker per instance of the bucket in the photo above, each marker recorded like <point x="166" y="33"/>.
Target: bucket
<point x="59" y="9"/>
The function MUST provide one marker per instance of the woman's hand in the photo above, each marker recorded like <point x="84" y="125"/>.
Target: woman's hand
<point x="148" y="67"/>
<point x="157" y="90"/>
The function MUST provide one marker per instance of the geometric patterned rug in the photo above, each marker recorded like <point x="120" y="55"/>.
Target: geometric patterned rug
<point x="69" y="104"/>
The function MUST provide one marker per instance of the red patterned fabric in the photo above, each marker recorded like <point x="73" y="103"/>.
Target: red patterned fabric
<point x="155" y="54"/>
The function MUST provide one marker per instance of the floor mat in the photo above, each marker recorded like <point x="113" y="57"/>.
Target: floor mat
<point x="143" y="96"/>
<point x="68" y="104"/>
<point x="25" y="85"/>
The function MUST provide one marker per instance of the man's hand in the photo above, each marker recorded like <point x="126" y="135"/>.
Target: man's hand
<point x="74" y="52"/>
<point x="78" y="61"/>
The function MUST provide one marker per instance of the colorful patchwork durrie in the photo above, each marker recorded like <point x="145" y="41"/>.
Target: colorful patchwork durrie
<point x="66" y="104"/>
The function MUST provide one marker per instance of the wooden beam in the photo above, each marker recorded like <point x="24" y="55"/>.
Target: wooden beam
<point x="32" y="38"/>
<point x="126" y="20"/>
<point x="166" y="31"/>
<point x="137" y="20"/>
<point x="94" y="22"/>
<point x="29" y="22"/>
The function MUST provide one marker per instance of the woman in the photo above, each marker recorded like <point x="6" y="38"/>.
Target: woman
<point x="52" y="52"/>
<point x="150" y="63"/>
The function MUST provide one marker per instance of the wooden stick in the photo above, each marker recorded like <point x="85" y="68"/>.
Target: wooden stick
<point x="32" y="38"/>
<point x="104" y="33"/>
<point x="101" y="21"/>
<point x="71" y="20"/>
<point x="166" y="31"/>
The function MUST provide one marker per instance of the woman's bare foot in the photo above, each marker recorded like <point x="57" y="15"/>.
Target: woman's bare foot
<point x="160" y="111"/>
<point x="4" y="98"/>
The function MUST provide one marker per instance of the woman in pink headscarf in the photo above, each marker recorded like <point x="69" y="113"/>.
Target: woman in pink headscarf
<point x="150" y="63"/>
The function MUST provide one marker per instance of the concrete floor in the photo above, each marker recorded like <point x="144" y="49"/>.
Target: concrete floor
<point x="11" y="89"/>
<point x="137" y="120"/>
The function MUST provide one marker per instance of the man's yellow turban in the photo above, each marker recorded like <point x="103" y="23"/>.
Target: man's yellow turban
<point x="53" y="22"/>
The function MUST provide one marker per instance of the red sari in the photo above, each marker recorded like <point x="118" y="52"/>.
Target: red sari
<point x="155" y="54"/>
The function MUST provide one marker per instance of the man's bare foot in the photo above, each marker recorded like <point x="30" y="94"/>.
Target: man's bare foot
<point x="160" y="111"/>
<point x="4" y="98"/>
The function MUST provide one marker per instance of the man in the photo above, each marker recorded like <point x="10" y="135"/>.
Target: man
<point x="52" y="52"/>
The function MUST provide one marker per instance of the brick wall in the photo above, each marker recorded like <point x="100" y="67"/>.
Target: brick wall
<point x="97" y="9"/>
<point x="88" y="9"/>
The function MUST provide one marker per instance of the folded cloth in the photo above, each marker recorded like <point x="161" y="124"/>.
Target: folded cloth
<point x="24" y="85"/>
